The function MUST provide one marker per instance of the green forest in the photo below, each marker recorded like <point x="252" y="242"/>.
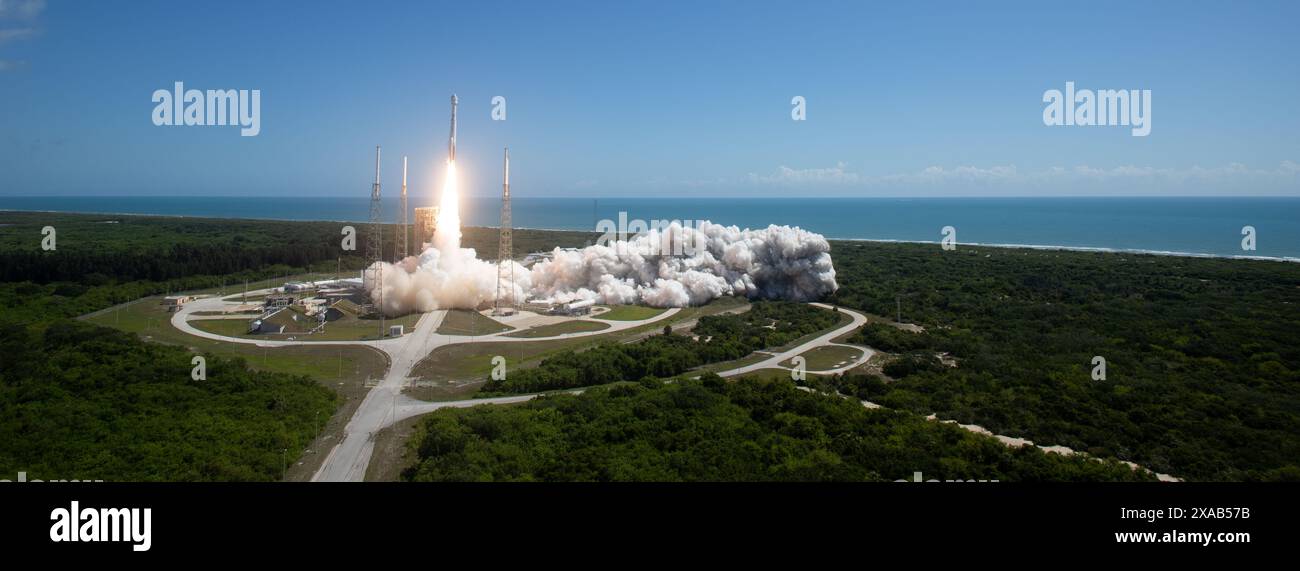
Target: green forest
<point x="84" y="402"/>
<point x="716" y="338"/>
<point x="105" y="260"/>
<point x="100" y="249"/>
<point x="79" y="401"/>
<point x="1201" y="354"/>
<point x="714" y="430"/>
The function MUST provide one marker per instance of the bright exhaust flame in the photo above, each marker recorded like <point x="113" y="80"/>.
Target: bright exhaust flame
<point x="447" y="237"/>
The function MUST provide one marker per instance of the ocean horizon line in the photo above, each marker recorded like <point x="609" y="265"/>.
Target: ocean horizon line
<point x="1008" y="246"/>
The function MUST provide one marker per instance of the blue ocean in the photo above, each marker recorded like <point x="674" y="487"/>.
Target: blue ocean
<point x="1193" y="226"/>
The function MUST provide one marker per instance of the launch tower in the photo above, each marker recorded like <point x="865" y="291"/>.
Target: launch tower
<point x="505" y="298"/>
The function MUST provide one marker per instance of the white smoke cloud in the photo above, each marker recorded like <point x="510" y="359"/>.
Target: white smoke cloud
<point x="778" y="262"/>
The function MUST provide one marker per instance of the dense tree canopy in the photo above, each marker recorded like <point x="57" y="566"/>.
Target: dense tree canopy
<point x="715" y="338"/>
<point x="1202" y="378"/>
<point x="711" y="430"/>
<point x="84" y="402"/>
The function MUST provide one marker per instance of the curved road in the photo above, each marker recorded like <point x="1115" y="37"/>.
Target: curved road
<point x="824" y="340"/>
<point x="385" y="404"/>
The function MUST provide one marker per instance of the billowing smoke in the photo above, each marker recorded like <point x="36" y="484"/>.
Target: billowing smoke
<point x="674" y="266"/>
<point x="445" y="276"/>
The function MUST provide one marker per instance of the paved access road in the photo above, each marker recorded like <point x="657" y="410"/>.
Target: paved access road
<point x="385" y="404"/>
<point x="824" y="340"/>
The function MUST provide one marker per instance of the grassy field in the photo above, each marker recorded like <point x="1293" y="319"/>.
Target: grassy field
<point x="749" y="359"/>
<point x="630" y="313"/>
<point x="355" y="329"/>
<point x="829" y="357"/>
<point x="152" y="322"/>
<point x="466" y="322"/>
<point x="473" y="361"/>
<point x="844" y="319"/>
<point x="560" y="328"/>
<point x="224" y="327"/>
<point x="343" y="368"/>
<point x="345" y="329"/>
<point x="777" y="374"/>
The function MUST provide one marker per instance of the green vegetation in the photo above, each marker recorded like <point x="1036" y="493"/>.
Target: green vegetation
<point x="350" y="328"/>
<point x="711" y="430"/>
<point x="1201" y="353"/>
<point x="225" y="327"/>
<point x="736" y="363"/>
<point x="889" y="338"/>
<point x="553" y="329"/>
<point x="100" y="249"/>
<point x="109" y="406"/>
<point x="151" y="321"/>
<point x="1201" y="357"/>
<point x="716" y="338"/>
<point x="466" y="322"/>
<point x="471" y="361"/>
<point x="347" y="328"/>
<point x="829" y="357"/>
<point x="79" y="401"/>
<point x="630" y="313"/>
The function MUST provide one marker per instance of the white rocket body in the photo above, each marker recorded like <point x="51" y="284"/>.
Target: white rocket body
<point x="451" y="144"/>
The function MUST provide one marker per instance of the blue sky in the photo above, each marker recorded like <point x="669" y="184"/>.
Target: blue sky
<point x="652" y="99"/>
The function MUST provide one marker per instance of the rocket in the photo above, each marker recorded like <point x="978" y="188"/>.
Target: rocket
<point x="451" y="143"/>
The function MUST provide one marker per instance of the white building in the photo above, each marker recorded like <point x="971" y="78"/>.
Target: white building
<point x="176" y="302"/>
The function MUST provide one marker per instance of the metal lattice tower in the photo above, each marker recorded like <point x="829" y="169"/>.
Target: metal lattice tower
<point x="505" y="265"/>
<point x="405" y="233"/>
<point x="374" y="243"/>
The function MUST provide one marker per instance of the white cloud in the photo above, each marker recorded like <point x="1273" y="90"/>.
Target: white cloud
<point x="1232" y="178"/>
<point x="15" y="34"/>
<point x="784" y="175"/>
<point x="937" y="174"/>
<point x="25" y="10"/>
<point x="21" y="9"/>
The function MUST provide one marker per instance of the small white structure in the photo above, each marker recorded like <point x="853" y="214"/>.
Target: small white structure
<point x="176" y="302"/>
<point x="574" y="308"/>
<point x="395" y="331"/>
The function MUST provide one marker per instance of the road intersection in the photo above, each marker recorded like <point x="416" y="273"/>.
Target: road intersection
<point x="385" y="404"/>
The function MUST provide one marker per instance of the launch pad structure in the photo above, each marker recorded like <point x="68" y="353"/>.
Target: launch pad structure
<point x="425" y="222"/>
<point x="375" y="244"/>
<point x="505" y="304"/>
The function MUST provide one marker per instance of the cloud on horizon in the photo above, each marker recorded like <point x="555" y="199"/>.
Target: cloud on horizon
<point x="20" y="10"/>
<point x="1233" y="178"/>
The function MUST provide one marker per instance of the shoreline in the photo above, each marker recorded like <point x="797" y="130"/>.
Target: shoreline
<point x="1045" y="247"/>
<point x="1090" y="249"/>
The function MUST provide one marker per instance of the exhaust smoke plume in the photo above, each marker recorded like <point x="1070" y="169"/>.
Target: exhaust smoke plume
<point x="778" y="262"/>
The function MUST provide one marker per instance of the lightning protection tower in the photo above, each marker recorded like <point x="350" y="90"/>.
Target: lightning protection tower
<point x="505" y="298"/>
<point x="405" y="223"/>
<point x="374" y="243"/>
